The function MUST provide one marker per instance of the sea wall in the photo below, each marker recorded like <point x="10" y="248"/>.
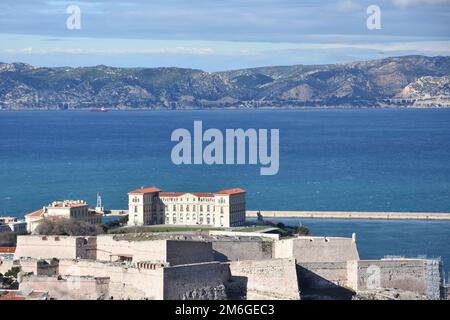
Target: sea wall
<point x="265" y="279"/>
<point x="351" y="215"/>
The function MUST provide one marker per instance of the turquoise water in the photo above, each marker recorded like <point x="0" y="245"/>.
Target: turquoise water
<point x="362" y="160"/>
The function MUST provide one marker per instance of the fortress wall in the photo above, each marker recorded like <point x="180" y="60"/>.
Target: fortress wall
<point x="71" y="288"/>
<point x="241" y="250"/>
<point x="140" y="250"/>
<point x="321" y="275"/>
<point x="124" y="283"/>
<point x="283" y="249"/>
<point x="61" y="247"/>
<point x="185" y="252"/>
<point x="266" y="279"/>
<point x="421" y="276"/>
<point x="173" y="251"/>
<point x="319" y="249"/>
<point x="203" y="281"/>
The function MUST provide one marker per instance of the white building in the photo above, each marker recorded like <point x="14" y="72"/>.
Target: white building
<point x="12" y="224"/>
<point x="68" y="209"/>
<point x="224" y="208"/>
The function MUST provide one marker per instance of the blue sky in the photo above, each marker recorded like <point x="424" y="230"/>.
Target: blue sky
<point x="219" y="34"/>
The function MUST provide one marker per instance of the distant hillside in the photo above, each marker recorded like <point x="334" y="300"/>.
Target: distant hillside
<point x="428" y="91"/>
<point x="371" y="83"/>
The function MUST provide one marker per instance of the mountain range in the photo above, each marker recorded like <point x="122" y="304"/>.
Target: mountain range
<point x="407" y="80"/>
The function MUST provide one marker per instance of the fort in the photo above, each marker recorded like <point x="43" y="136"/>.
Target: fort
<point x="209" y="265"/>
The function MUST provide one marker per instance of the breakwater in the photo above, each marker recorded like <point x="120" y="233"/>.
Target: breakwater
<point x="351" y="215"/>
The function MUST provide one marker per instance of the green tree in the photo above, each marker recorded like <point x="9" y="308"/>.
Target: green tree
<point x="303" y="231"/>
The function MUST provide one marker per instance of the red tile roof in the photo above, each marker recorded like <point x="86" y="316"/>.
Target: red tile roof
<point x="203" y="194"/>
<point x="10" y="296"/>
<point x="171" y="194"/>
<point x="231" y="191"/>
<point x="36" y="213"/>
<point x="7" y="249"/>
<point x="145" y="190"/>
<point x="177" y="194"/>
<point x="21" y="295"/>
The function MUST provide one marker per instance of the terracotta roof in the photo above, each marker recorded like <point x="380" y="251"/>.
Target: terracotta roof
<point x="10" y="296"/>
<point x="36" y="213"/>
<point x="177" y="194"/>
<point x="21" y="295"/>
<point x="7" y="249"/>
<point x="203" y="194"/>
<point x="145" y="190"/>
<point x="171" y="194"/>
<point x="231" y="191"/>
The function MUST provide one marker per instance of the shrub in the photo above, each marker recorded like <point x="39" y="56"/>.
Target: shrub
<point x="67" y="227"/>
<point x="302" y="231"/>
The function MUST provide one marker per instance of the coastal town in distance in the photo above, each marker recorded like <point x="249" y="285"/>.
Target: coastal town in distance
<point x="198" y="246"/>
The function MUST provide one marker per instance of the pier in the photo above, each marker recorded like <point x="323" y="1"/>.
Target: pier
<point x="351" y="215"/>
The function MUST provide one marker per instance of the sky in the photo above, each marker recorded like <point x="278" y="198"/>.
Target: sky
<point x="215" y="35"/>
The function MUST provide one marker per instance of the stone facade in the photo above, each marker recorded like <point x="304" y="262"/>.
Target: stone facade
<point x="65" y="209"/>
<point x="224" y="208"/>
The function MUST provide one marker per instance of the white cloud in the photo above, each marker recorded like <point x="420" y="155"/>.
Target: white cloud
<point x="112" y="51"/>
<point x="348" y="6"/>
<point x="414" y="3"/>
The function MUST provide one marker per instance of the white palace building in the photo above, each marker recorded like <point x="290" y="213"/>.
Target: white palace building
<point x="224" y="208"/>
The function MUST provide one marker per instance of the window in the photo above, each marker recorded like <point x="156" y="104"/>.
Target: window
<point x="135" y="209"/>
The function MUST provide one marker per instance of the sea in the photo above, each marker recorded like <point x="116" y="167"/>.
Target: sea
<point x="330" y="159"/>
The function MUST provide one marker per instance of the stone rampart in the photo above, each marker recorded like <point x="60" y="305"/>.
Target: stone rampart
<point x="421" y="276"/>
<point x="317" y="249"/>
<point x="236" y="250"/>
<point x="265" y="279"/>
<point x="60" y="247"/>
